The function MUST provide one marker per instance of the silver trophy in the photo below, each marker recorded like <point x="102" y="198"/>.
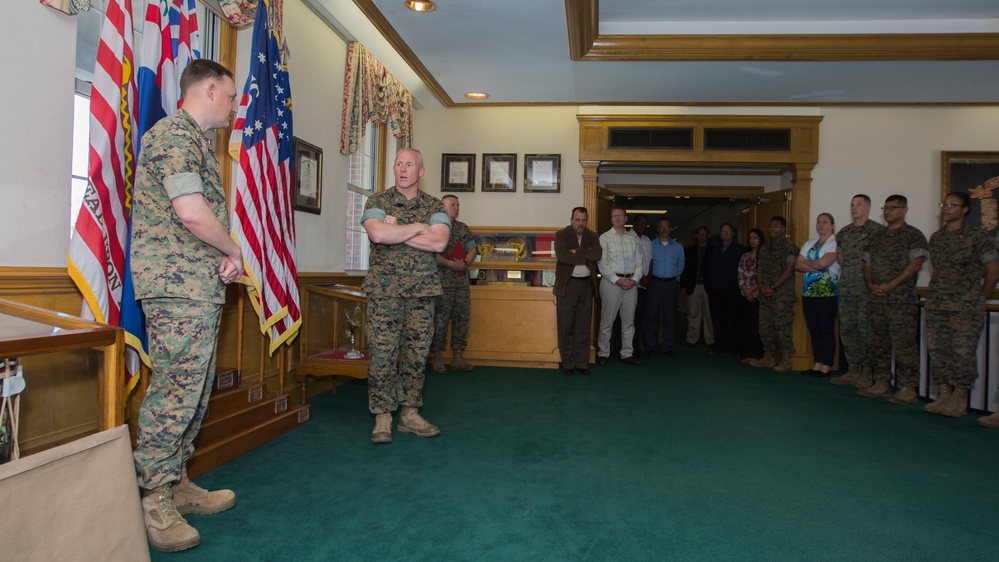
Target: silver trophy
<point x="354" y="322"/>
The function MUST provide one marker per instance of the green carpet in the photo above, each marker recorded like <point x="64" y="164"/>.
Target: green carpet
<point x="692" y="458"/>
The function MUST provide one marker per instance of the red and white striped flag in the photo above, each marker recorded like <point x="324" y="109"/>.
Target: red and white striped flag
<point x="98" y="247"/>
<point x="263" y="207"/>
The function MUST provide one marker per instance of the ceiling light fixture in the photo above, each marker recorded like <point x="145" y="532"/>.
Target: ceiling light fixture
<point x="420" y="5"/>
<point x="477" y="95"/>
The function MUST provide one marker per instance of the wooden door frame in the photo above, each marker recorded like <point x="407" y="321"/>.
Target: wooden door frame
<point x="798" y="161"/>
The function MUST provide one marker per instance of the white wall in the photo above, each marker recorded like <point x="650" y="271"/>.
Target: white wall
<point x="883" y="151"/>
<point x="36" y="138"/>
<point x="518" y="130"/>
<point x="316" y="68"/>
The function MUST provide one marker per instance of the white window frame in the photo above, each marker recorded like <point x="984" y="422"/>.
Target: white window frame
<point x="362" y="182"/>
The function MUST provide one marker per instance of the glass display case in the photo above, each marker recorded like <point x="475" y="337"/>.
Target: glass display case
<point x="514" y="256"/>
<point x="333" y="318"/>
<point x="65" y="358"/>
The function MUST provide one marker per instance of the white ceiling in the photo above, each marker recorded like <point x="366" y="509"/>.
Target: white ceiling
<point x="519" y="52"/>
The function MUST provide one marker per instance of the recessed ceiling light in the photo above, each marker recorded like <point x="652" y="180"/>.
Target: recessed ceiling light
<point x="420" y="5"/>
<point x="477" y="95"/>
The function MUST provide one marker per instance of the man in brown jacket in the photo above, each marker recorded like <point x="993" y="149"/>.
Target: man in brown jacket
<point x="578" y="251"/>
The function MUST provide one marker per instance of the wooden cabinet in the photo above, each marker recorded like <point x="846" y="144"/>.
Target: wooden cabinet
<point x="513" y="309"/>
<point x="325" y="334"/>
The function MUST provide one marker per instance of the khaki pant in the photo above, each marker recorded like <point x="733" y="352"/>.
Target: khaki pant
<point x="698" y="313"/>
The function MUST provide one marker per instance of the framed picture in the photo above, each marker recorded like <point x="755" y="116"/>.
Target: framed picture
<point x="977" y="174"/>
<point x="499" y="172"/>
<point x="307" y="171"/>
<point x="458" y="172"/>
<point x="542" y="173"/>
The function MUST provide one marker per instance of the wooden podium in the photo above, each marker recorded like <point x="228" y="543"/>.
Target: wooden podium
<point x="325" y="336"/>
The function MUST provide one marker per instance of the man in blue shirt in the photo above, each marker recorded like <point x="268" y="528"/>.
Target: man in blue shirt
<point x="667" y="265"/>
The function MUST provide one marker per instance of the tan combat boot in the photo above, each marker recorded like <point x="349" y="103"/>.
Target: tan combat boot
<point x="957" y="406"/>
<point x="383" y="428"/>
<point x="847" y="379"/>
<point x="905" y="395"/>
<point x="410" y="421"/>
<point x="439" y="367"/>
<point x="785" y="364"/>
<point x="767" y="361"/>
<point x="943" y="397"/>
<point x="876" y="390"/>
<point x="166" y="530"/>
<point x="458" y="362"/>
<point x="991" y="421"/>
<point x="865" y="379"/>
<point x="188" y="497"/>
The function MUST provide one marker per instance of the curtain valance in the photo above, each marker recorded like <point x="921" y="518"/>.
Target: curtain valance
<point x="372" y="94"/>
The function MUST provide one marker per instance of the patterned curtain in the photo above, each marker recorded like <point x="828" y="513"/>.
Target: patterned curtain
<point x="372" y="94"/>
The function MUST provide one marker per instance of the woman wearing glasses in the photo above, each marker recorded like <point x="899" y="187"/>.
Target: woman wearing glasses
<point x="965" y="270"/>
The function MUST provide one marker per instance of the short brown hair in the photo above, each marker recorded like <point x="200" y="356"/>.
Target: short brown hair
<point x="200" y="70"/>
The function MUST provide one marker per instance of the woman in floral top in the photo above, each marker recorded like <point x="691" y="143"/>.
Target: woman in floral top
<point x="820" y="295"/>
<point x="749" y="346"/>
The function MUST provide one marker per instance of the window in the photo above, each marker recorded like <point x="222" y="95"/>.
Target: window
<point x="81" y="151"/>
<point x="362" y="181"/>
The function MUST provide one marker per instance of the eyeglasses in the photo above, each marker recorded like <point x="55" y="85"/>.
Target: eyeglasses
<point x="949" y="205"/>
<point x="892" y="207"/>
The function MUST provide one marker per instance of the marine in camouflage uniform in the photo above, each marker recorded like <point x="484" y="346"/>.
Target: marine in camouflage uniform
<point x="176" y="278"/>
<point x="893" y="317"/>
<point x="777" y="296"/>
<point x="852" y="243"/>
<point x="454" y="304"/>
<point x="955" y="305"/>
<point x="401" y="286"/>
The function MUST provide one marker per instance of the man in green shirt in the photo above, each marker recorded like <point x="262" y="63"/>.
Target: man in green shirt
<point x="407" y="228"/>
<point x="182" y="259"/>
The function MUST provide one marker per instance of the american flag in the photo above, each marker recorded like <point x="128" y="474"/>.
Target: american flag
<point x="264" y="220"/>
<point x="98" y="247"/>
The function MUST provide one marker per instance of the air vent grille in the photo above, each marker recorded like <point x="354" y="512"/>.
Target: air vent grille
<point x="674" y="138"/>
<point x="777" y="140"/>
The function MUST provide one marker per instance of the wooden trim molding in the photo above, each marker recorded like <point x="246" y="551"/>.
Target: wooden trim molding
<point x="645" y="190"/>
<point x="586" y="44"/>
<point x="35" y="280"/>
<point x="377" y="19"/>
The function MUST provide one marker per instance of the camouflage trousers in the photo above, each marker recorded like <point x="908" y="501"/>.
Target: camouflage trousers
<point x="182" y="342"/>
<point x="952" y="339"/>
<point x="399" y="331"/>
<point x="853" y="313"/>
<point x="454" y="306"/>
<point x="894" y="327"/>
<point x="776" y="317"/>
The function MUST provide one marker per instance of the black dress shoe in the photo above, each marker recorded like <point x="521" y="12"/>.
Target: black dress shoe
<point x="631" y="360"/>
<point x="567" y="371"/>
<point x="649" y="354"/>
<point x="583" y="371"/>
<point x="669" y="353"/>
<point x="601" y="360"/>
<point x="809" y="372"/>
<point x="819" y="374"/>
<point x="688" y="344"/>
